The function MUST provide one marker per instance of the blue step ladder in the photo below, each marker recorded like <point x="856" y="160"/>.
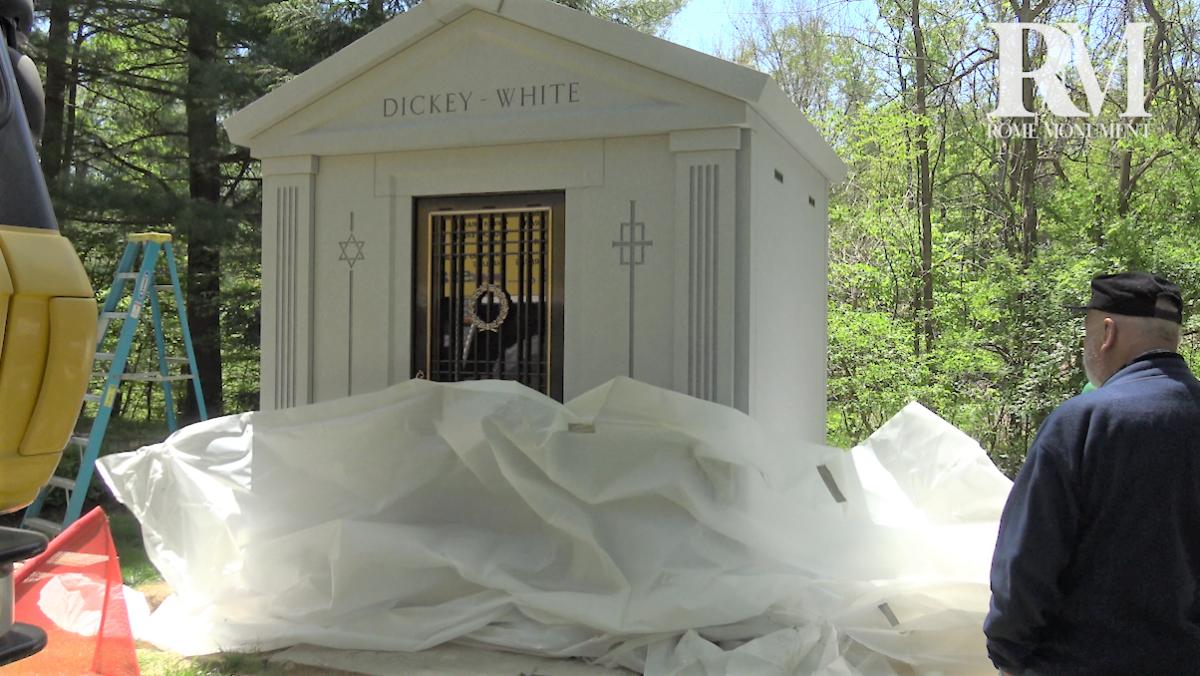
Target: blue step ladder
<point x="137" y="268"/>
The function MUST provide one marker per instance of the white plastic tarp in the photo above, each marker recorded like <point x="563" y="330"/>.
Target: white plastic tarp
<point x="633" y="525"/>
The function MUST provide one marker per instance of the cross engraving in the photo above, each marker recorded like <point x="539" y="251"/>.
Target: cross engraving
<point x="632" y="246"/>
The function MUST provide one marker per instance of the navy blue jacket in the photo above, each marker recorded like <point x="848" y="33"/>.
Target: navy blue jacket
<point x="1098" y="556"/>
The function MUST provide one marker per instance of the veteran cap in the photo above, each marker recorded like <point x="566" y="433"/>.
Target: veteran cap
<point x="1135" y="294"/>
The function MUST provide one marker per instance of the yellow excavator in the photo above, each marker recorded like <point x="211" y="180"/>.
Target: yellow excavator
<point x="47" y="319"/>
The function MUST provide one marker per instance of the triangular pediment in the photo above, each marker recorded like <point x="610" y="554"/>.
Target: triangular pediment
<point x="485" y="78"/>
<point x="458" y="73"/>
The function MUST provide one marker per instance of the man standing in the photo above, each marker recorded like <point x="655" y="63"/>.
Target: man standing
<point x="1097" y="563"/>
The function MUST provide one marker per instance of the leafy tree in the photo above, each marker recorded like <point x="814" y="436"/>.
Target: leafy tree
<point x="1005" y="230"/>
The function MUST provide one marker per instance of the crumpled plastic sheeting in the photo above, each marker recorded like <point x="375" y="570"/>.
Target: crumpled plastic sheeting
<point x="633" y="526"/>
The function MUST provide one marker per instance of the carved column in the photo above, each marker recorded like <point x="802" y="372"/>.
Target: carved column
<point x="705" y="242"/>
<point x="289" y="187"/>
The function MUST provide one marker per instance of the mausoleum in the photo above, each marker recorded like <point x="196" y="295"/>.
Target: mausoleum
<point x="514" y="189"/>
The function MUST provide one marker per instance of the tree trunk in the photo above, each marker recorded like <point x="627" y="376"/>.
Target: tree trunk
<point x="57" y="44"/>
<point x="924" y="180"/>
<point x="204" y="178"/>
<point x="72" y="111"/>
<point x="375" y="16"/>
<point x="1029" y="146"/>
<point x="1128" y="179"/>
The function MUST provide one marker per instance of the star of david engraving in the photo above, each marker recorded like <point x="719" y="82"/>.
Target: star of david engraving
<point x="352" y="250"/>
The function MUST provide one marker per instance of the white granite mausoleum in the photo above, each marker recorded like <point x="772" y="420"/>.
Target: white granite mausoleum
<point x="514" y="189"/>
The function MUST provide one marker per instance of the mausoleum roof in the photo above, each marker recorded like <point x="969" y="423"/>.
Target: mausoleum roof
<point x="737" y="82"/>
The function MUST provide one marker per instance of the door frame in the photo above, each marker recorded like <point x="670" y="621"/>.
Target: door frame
<point x="425" y="206"/>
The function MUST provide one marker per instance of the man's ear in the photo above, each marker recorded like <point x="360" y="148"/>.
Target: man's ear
<point x="1110" y="334"/>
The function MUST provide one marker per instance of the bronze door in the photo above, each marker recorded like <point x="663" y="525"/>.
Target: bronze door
<point x="488" y="289"/>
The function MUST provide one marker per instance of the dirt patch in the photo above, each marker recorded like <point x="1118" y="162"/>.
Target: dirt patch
<point x="155" y="592"/>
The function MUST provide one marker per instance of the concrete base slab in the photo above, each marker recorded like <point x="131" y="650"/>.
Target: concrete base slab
<point x="444" y="660"/>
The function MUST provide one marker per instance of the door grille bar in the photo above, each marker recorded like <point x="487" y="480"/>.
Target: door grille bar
<point x="489" y="295"/>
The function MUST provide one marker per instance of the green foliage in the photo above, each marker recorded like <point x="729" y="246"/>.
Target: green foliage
<point x="306" y="31"/>
<point x="650" y="16"/>
<point x="1005" y="353"/>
